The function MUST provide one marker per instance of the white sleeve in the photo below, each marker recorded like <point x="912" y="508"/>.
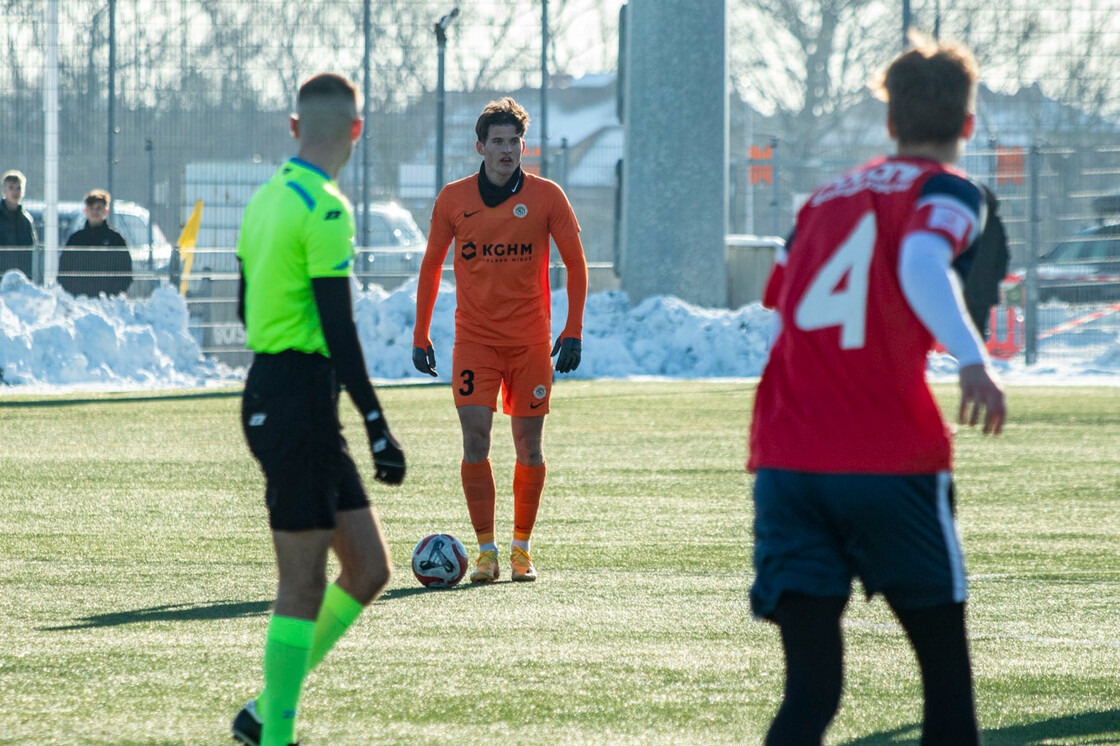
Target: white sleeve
<point x="934" y="293"/>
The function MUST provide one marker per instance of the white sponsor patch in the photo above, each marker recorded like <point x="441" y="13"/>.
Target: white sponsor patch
<point x="886" y="178"/>
<point x="949" y="220"/>
<point x="540" y="391"/>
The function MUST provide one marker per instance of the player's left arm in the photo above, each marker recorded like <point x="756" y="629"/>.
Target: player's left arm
<point x="565" y="231"/>
<point x="329" y="238"/>
<point x="569" y="345"/>
<point x="945" y="222"/>
<point x="947" y="218"/>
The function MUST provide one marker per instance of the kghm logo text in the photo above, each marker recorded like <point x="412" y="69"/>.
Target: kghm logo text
<point x="498" y="252"/>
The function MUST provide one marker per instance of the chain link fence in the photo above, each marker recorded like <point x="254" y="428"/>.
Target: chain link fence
<point x="168" y="103"/>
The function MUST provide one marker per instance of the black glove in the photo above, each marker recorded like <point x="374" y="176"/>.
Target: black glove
<point x="388" y="459"/>
<point x="424" y="360"/>
<point x="570" y="350"/>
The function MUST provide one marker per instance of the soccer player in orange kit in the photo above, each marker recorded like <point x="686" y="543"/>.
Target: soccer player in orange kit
<point x="501" y="220"/>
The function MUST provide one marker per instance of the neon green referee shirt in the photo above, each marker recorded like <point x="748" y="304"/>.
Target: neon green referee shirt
<point x="296" y="227"/>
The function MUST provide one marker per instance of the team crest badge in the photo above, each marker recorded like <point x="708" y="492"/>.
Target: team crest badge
<point x="539" y="392"/>
<point x="520" y="211"/>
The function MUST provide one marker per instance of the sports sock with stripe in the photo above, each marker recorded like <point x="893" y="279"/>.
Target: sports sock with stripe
<point x="479" y="489"/>
<point x="287" y="653"/>
<point x="528" y="483"/>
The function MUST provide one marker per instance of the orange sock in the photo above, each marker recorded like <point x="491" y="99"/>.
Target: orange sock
<point x="528" y="483"/>
<point x="478" y="486"/>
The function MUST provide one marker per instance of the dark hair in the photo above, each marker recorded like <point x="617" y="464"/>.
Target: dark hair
<point x="930" y="90"/>
<point x="97" y="195"/>
<point x="503" y="111"/>
<point x="327" y="85"/>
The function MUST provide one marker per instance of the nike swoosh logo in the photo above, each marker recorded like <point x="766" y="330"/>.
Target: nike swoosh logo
<point x="468" y="214"/>
<point x="534" y="406"/>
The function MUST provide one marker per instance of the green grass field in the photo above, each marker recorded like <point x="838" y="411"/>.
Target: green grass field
<point x="136" y="576"/>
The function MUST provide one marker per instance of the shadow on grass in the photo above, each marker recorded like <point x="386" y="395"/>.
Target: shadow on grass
<point x="397" y="593"/>
<point x="170" y="613"/>
<point x="62" y="400"/>
<point x="1099" y="727"/>
<point x="218" y="610"/>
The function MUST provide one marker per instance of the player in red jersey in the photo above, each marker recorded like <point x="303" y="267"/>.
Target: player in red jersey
<point x="850" y="452"/>
<point x="501" y="220"/>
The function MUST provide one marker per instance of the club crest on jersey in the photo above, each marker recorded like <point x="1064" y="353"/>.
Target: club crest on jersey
<point x="520" y="210"/>
<point x="539" y="391"/>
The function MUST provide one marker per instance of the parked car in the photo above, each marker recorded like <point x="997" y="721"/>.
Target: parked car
<point x="129" y="218"/>
<point x="392" y="248"/>
<point x="1084" y="268"/>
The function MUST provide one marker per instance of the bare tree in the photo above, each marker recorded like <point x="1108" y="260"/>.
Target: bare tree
<point x="805" y="61"/>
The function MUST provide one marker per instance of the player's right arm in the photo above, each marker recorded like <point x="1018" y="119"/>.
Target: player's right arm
<point x="440" y="235"/>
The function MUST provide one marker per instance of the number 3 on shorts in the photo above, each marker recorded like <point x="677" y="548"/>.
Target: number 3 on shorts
<point x="468" y="382"/>
<point x="823" y="306"/>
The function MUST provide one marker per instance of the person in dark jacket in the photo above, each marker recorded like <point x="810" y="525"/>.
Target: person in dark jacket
<point x="16" y="229"/>
<point x="986" y="266"/>
<point x="96" y="259"/>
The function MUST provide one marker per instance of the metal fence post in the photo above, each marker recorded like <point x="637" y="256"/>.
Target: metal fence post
<point x="149" y="149"/>
<point x="1030" y="303"/>
<point x="775" y="198"/>
<point x="564" y="162"/>
<point x="173" y="268"/>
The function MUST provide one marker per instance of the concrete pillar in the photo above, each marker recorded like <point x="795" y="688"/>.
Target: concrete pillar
<point x="674" y="202"/>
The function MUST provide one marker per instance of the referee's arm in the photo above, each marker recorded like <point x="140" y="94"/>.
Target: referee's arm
<point x="336" y="316"/>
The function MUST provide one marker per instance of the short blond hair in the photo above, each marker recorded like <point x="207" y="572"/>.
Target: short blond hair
<point x="16" y="176"/>
<point x="326" y="105"/>
<point x="97" y="195"/>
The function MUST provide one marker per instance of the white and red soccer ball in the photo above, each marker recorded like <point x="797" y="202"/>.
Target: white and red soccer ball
<point x="439" y="561"/>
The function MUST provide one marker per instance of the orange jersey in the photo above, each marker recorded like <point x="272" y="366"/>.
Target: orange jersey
<point x="501" y="262"/>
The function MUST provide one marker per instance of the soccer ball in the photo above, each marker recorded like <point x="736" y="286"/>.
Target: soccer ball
<point x="439" y="561"/>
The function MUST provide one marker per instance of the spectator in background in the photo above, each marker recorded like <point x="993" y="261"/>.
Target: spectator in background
<point x="15" y="225"/>
<point x="984" y="266"/>
<point x="96" y="259"/>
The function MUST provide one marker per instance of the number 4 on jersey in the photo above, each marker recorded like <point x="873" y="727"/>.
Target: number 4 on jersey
<point x="825" y="304"/>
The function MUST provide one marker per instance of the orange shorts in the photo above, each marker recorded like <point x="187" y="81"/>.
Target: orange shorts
<point x="524" y="375"/>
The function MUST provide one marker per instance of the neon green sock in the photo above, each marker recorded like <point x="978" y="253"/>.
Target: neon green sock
<point x="287" y="652"/>
<point x="338" y="612"/>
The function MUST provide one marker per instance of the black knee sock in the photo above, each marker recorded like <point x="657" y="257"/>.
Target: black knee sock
<point x="814" y="668"/>
<point x="941" y="645"/>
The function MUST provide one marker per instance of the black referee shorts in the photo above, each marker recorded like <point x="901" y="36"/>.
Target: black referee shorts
<point x="289" y="413"/>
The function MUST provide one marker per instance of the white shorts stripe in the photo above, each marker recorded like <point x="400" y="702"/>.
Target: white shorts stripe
<point x="952" y="538"/>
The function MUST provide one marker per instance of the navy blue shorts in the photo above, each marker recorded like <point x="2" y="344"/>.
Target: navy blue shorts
<point x="896" y="533"/>
<point x="289" y="413"/>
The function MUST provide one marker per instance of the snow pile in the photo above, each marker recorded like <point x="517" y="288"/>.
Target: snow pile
<point x="661" y="336"/>
<point x="49" y="337"/>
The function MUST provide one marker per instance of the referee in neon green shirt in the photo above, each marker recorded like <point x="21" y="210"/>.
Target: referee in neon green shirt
<point x="296" y="250"/>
